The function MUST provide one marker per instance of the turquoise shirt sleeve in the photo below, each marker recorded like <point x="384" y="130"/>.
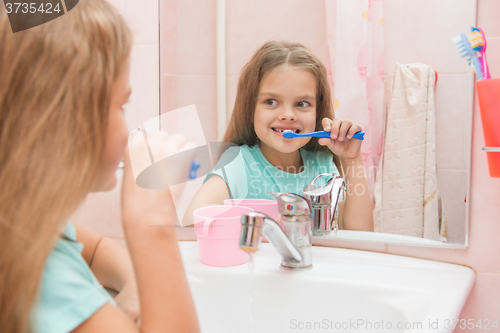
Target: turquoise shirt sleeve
<point x="69" y="292"/>
<point x="231" y="168"/>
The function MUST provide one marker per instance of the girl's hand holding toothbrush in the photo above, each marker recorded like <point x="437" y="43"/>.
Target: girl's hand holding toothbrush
<point x="341" y="142"/>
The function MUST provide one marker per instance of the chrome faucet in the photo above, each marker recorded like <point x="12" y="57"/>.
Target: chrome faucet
<point x="292" y="239"/>
<point x="324" y="200"/>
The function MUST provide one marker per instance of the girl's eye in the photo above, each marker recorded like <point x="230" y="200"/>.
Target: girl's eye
<point x="303" y="104"/>
<point x="271" y="102"/>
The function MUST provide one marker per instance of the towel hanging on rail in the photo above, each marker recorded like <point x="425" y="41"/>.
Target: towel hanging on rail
<point x="407" y="199"/>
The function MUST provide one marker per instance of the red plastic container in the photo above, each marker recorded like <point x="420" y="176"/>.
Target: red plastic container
<point x="488" y="94"/>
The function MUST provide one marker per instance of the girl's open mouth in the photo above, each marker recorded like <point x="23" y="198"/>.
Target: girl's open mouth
<point x="280" y="130"/>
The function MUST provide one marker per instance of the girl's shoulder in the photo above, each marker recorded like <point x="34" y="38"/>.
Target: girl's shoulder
<point x="244" y="150"/>
<point x="236" y="155"/>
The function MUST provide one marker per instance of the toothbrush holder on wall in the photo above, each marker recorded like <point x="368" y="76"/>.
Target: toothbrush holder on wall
<point x="488" y="94"/>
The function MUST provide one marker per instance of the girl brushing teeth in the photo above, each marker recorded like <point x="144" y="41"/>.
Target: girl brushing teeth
<point x="285" y="87"/>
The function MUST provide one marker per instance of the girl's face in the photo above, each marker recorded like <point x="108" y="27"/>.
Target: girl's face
<point x="286" y="101"/>
<point x="117" y="135"/>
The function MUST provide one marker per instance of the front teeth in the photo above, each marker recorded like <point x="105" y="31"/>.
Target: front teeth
<point x="281" y="131"/>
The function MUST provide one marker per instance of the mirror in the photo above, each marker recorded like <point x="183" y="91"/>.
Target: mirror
<point x="205" y="44"/>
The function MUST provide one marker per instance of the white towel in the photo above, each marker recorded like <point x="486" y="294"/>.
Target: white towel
<point x="407" y="200"/>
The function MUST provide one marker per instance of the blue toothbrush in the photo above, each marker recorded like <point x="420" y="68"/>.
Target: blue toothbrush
<point x="288" y="134"/>
<point x="465" y="50"/>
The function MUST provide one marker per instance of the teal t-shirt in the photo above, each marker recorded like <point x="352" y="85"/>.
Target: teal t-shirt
<point x="69" y="292"/>
<point x="249" y="175"/>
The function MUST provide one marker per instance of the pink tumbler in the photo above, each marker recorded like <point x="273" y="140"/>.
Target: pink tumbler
<point x="268" y="207"/>
<point x="217" y="230"/>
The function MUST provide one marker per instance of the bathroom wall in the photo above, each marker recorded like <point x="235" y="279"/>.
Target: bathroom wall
<point x="426" y="38"/>
<point x="101" y="211"/>
<point x="189" y="77"/>
<point x="484" y="224"/>
<point x="188" y="46"/>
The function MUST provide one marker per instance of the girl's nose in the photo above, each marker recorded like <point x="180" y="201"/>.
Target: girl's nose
<point x="287" y="113"/>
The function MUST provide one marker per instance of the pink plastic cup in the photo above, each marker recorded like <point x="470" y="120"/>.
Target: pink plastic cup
<point x="218" y="230"/>
<point x="268" y="207"/>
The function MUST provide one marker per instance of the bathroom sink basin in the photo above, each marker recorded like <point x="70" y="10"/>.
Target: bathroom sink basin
<point x="345" y="291"/>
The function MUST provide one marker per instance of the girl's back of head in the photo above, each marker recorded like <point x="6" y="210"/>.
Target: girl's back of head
<point x="270" y="56"/>
<point x="55" y="89"/>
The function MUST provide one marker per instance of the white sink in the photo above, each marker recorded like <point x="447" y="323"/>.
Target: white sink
<point x="345" y="291"/>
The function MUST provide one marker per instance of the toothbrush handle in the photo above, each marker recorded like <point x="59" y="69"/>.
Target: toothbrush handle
<point x="477" y="65"/>
<point x="484" y="62"/>
<point x="359" y="135"/>
<point x="472" y="55"/>
<point x="319" y="134"/>
<point x="486" y="71"/>
<point x="323" y="134"/>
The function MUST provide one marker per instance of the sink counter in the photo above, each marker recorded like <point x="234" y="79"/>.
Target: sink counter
<point x="345" y="291"/>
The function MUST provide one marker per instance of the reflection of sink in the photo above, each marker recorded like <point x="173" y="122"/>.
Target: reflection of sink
<point x="378" y="237"/>
<point x="346" y="288"/>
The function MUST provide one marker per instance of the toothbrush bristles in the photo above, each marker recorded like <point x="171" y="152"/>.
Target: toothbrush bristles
<point x="476" y="40"/>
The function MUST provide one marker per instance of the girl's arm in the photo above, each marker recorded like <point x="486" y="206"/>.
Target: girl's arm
<point x="355" y="212"/>
<point x="111" y="264"/>
<point x="165" y="299"/>
<point x="213" y="192"/>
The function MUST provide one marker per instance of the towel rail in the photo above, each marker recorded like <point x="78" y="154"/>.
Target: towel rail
<point x="492" y="149"/>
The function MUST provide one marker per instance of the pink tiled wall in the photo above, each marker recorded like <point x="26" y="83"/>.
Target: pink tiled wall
<point x="188" y="59"/>
<point x="100" y="211"/>
<point x="484" y="230"/>
<point x="188" y="76"/>
<point x="426" y="38"/>
<point x="250" y="24"/>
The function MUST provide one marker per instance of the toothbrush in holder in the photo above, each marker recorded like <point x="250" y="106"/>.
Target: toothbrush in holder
<point x="465" y="50"/>
<point x="478" y="44"/>
<point x="288" y="134"/>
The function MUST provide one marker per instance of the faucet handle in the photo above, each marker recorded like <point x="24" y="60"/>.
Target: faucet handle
<point x="324" y="201"/>
<point x="338" y="190"/>
<point x="292" y="204"/>
<point x="338" y="193"/>
<point x="321" y="195"/>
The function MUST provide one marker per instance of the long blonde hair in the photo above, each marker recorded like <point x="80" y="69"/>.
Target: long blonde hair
<point x="55" y="90"/>
<point x="269" y="56"/>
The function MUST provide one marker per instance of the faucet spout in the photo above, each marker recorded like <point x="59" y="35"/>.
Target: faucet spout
<point x="255" y="224"/>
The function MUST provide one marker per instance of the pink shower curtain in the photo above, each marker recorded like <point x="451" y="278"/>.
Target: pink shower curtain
<point x="355" y="41"/>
